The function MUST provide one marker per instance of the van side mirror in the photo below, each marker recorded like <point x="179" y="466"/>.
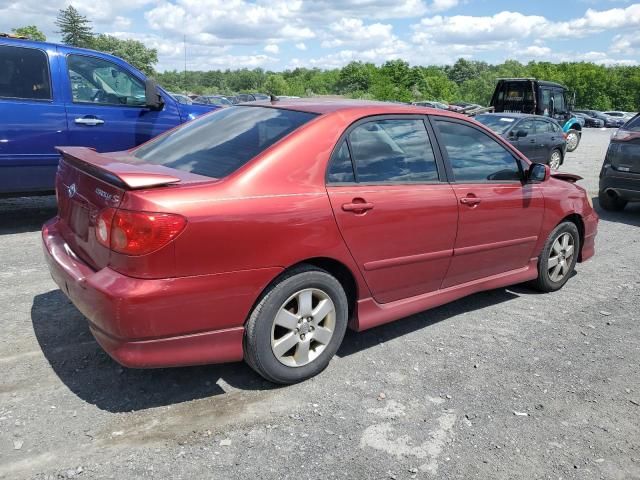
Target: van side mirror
<point x="538" y="172"/>
<point x="521" y="133"/>
<point x="153" y="100"/>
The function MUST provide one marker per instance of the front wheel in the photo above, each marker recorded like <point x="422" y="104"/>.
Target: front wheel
<point x="555" y="159"/>
<point x="573" y="140"/>
<point x="558" y="258"/>
<point x="297" y="326"/>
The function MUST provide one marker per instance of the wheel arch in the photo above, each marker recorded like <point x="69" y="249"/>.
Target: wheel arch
<point x="576" y="219"/>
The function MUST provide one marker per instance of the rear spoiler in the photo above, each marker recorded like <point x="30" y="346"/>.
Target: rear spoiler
<point x="117" y="171"/>
<point x="567" y="177"/>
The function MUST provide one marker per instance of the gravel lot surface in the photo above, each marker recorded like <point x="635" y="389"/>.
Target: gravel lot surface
<point x="503" y="384"/>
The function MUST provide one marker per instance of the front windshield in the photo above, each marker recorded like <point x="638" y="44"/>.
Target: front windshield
<point x="496" y="123"/>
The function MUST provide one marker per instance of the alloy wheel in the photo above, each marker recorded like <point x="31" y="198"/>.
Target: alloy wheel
<point x="560" y="257"/>
<point x="572" y="141"/>
<point x="303" y="327"/>
<point x="555" y="160"/>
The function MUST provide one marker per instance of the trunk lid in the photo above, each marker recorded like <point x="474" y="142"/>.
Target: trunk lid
<point x="624" y="151"/>
<point x="88" y="182"/>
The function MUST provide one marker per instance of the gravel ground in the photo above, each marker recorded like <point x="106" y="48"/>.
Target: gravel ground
<point x="503" y="384"/>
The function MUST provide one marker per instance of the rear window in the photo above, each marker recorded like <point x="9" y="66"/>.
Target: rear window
<point x="633" y="125"/>
<point x="216" y="145"/>
<point x="24" y="73"/>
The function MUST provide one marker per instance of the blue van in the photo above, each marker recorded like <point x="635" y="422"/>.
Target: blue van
<point x="54" y="95"/>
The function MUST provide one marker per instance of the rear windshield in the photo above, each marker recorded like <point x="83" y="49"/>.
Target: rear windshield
<point x="216" y="145"/>
<point x="495" y="122"/>
<point x="633" y="125"/>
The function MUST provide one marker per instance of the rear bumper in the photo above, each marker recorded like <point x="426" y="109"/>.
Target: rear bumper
<point x="625" y="184"/>
<point x="167" y="322"/>
<point x="590" y="231"/>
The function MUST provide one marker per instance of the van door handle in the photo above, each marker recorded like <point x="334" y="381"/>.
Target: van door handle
<point x="89" y="121"/>
<point x="358" y="205"/>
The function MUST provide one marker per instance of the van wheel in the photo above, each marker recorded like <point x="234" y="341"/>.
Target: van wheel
<point x="573" y="140"/>
<point x="558" y="258"/>
<point x="297" y="326"/>
<point x="555" y="159"/>
<point x="611" y="201"/>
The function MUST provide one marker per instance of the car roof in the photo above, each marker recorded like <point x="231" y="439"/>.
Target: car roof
<point x="325" y="106"/>
<point x="512" y="115"/>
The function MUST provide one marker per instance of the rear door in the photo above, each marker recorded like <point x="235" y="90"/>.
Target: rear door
<point x="33" y="118"/>
<point x="549" y="137"/>
<point x="396" y="216"/>
<point x="106" y="105"/>
<point x="500" y="217"/>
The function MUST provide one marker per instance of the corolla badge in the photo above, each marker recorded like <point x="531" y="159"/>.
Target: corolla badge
<point x="72" y="190"/>
<point x="109" y="197"/>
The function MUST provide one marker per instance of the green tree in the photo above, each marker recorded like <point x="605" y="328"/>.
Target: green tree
<point x="356" y="77"/>
<point x="30" y="31"/>
<point x="132" y="51"/>
<point x="275" y="84"/>
<point x="75" y="29"/>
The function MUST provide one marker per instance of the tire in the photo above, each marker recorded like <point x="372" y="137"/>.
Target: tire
<point x="573" y="139"/>
<point x="290" y="319"/>
<point x="612" y="203"/>
<point x="553" y="277"/>
<point x="555" y="159"/>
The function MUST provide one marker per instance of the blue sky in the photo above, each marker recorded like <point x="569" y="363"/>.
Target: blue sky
<point x="281" y="34"/>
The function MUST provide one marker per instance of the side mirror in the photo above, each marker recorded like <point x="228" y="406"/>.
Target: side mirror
<point x="153" y="100"/>
<point x="538" y="172"/>
<point x="521" y="133"/>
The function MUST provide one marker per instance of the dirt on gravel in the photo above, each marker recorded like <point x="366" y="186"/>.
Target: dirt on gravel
<point x="507" y="384"/>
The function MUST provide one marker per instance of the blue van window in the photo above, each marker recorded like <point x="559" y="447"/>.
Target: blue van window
<point x="24" y="73"/>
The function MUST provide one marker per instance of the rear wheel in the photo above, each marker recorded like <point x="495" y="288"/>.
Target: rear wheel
<point x="610" y="201"/>
<point x="555" y="159"/>
<point x="573" y="140"/>
<point x="558" y="258"/>
<point x="297" y="326"/>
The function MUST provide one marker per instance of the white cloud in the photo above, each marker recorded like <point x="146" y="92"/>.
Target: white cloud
<point x="301" y="46"/>
<point x="272" y="48"/>
<point x="353" y="32"/>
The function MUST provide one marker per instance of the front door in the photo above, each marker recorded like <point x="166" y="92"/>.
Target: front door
<point x="500" y="217"/>
<point x="107" y="109"/>
<point x="397" y="218"/>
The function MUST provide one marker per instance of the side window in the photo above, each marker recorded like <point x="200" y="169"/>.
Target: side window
<point x="341" y="168"/>
<point x="528" y="126"/>
<point x="476" y="157"/>
<point x="98" y="81"/>
<point x="559" y="101"/>
<point x="24" y="73"/>
<point x="395" y="150"/>
<point x="544" y="127"/>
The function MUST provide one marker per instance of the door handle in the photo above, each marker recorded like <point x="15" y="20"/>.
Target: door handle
<point x="358" y="206"/>
<point x="471" y="201"/>
<point x="89" y="121"/>
<point x="533" y="140"/>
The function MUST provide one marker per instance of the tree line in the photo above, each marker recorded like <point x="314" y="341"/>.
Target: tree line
<point x="596" y="86"/>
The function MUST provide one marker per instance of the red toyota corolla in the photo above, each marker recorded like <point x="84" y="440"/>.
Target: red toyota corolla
<point x="261" y="231"/>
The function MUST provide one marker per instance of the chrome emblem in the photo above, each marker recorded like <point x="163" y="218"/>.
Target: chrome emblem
<point x="72" y="190"/>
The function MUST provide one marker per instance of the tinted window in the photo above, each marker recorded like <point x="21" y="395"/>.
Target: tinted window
<point x="544" y="127"/>
<point x="476" y="157"/>
<point x="24" y="73"/>
<point x="218" y="144"/>
<point x="528" y="126"/>
<point x="99" y="81"/>
<point x="633" y="124"/>
<point x="495" y="122"/>
<point x="341" y="168"/>
<point x="393" y="151"/>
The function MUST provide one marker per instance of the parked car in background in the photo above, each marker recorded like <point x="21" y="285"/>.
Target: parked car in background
<point x="617" y="114"/>
<point x="251" y="97"/>
<point x="162" y="248"/>
<point x="541" y="139"/>
<point x="539" y="97"/>
<point x="620" y="173"/>
<point x="60" y="95"/>
<point x="609" y="122"/>
<point x="589" y="122"/>
<point x="432" y="104"/>
<point x="180" y="98"/>
<point x="218" y="100"/>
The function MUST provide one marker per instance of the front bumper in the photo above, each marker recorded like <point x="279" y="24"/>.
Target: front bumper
<point x="590" y="231"/>
<point x="165" y="322"/>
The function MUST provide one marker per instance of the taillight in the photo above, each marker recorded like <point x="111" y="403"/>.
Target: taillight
<point x="137" y="233"/>
<point x="625" y="135"/>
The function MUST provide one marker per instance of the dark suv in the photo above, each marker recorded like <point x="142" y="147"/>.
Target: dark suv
<point x="620" y="174"/>
<point x="538" y="97"/>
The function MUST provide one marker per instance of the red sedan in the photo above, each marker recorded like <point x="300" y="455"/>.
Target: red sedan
<point x="262" y="231"/>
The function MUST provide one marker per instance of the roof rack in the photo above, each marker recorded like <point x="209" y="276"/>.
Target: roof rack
<point x="12" y="35"/>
